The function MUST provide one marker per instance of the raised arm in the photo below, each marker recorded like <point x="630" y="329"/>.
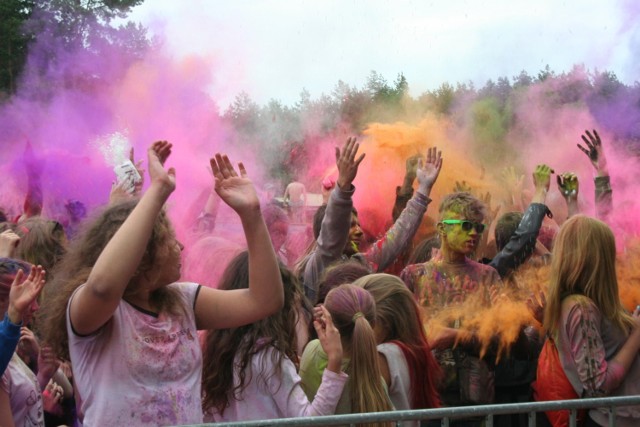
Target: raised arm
<point x="569" y="188"/>
<point x="394" y="242"/>
<point x="95" y="302"/>
<point x="22" y="293"/>
<point x="404" y="192"/>
<point x="596" y="155"/>
<point x="217" y="309"/>
<point x="33" y="199"/>
<point x="523" y="241"/>
<point x="334" y="231"/>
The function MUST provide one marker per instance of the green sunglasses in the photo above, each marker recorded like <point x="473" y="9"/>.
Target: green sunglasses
<point x="465" y="225"/>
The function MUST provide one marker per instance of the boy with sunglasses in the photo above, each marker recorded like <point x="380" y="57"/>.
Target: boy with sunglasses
<point x="451" y="277"/>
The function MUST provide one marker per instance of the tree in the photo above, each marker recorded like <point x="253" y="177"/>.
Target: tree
<point x="79" y="33"/>
<point x="14" y="41"/>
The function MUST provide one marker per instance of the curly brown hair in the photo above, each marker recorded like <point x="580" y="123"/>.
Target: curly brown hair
<point x="42" y="242"/>
<point x="74" y="268"/>
<point x="229" y="350"/>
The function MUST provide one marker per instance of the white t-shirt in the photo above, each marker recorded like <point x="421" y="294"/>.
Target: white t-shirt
<point x="400" y="387"/>
<point x="23" y="389"/>
<point x="282" y="396"/>
<point x="140" y="369"/>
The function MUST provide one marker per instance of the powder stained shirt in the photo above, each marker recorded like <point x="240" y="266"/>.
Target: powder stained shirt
<point x="140" y="369"/>
<point x="438" y="285"/>
<point x="587" y="343"/>
<point x="25" y="399"/>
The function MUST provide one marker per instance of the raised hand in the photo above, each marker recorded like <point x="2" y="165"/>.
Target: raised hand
<point x="347" y="163"/>
<point x="412" y="165"/>
<point x="8" y="242"/>
<point x="23" y="292"/>
<point x="594" y="151"/>
<point x="513" y="183"/>
<point x="428" y="170"/>
<point x="329" y="337"/>
<point x="236" y="191"/>
<point x="462" y="187"/>
<point x="568" y="185"/>
<point x="542" y="181"/>
<point x="492" y="213"/>
<point x="542" y="177"/>
<point x="158" y="154"/>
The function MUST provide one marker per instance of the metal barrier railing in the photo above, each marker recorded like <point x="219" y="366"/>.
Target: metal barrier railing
<point x="448" y="414"/>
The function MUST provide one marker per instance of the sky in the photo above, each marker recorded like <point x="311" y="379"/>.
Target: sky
<point x="275" y="49"/>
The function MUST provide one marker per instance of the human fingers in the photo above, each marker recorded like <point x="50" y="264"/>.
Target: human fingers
<point x="229" y="166"/>
<point x="587" y="141"/>
<point x="326" y="317"/>
<point x="354" y="151"/>
<point x="161" y="149"/>
<point x="214" y="168"/>
<point x="18" y="279"/>
<point x="584" y="150"/>
<point x="592" y="139"/>
<point x="346" y="148"/>
<point x="597" y="138"/>
<point x="223" y="166"/>
<point x="243" y="171"/>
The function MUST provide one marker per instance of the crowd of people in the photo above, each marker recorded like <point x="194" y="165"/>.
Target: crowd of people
<point x="102" y="326"/>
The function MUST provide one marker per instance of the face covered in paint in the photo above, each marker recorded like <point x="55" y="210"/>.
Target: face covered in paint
<point x="355" y="237"/>
<point x="456" y="237"/>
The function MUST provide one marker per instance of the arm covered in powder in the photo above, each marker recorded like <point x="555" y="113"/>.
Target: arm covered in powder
<point x="386" y="250"/>
<point x="596" y="155"/>
<point x="523" y="241"/>
<point x="584" y="345"/>
<point x="334" y="231"/>
<point x="333" y="237"/>
<point x="394" y="242"/>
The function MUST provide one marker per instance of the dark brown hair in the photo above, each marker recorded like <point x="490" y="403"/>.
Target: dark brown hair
<point x="75" y="266"/>
<point x="228" y="351"/>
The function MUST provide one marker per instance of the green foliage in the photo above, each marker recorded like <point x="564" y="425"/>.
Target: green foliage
<point x="55" y="31"/>
<point x="490" y="121"/>
<point x="14" y="40"/>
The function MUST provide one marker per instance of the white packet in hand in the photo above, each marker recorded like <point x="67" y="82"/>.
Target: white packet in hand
<point x="128" y="174"/>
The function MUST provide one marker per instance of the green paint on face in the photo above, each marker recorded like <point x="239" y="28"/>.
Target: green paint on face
<point x="456" y="239"/>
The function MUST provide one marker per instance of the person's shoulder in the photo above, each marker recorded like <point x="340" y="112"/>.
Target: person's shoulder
<point x="579" y="302"/>
<point x="483" y="269"/>
<point x="418" y="269"/>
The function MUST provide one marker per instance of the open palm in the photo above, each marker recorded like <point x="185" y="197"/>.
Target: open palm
<point x="430" y="167"/>
<point x="237" y="191"/>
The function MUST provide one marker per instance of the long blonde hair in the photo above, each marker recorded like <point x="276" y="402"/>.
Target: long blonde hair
<point x="584" y="261"/>
<point x="398" y="314"/>
<point x="353" y="311"/>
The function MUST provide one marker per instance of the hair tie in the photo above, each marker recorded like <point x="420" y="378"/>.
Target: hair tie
<point x="357" y="316"/>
